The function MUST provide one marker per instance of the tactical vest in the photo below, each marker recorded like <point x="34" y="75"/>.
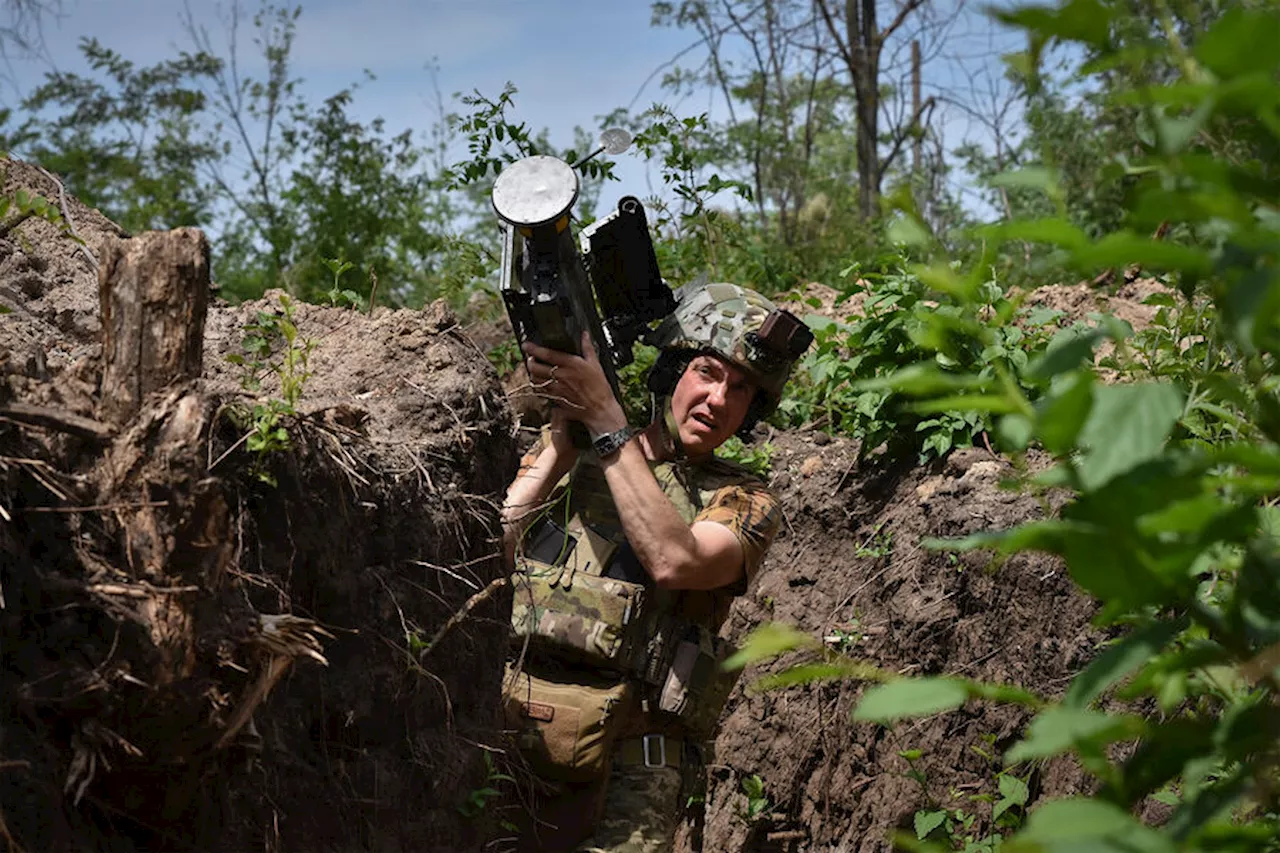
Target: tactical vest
<point x="582" y="598"/>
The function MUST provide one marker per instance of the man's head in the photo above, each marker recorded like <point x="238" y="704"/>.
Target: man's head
<point x="723" y="340"/>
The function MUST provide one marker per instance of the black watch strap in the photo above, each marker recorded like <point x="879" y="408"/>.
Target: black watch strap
<point x="608" y="443"/>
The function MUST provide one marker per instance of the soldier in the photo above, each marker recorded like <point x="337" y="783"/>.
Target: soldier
<point x="628" y="557"/>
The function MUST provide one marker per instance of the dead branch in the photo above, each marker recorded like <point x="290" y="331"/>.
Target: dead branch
<point x="71" y="223"/>
<point x="61" y="421"/>
<point x="472" y="603"/>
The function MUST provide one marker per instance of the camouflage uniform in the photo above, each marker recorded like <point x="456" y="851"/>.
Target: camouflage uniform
<point x="640" y="806"/>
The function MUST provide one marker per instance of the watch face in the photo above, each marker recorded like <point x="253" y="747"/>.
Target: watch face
<point x="610" y="442"/>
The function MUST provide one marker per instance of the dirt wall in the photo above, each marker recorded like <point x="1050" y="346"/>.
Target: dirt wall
<point x="208" y="648"/>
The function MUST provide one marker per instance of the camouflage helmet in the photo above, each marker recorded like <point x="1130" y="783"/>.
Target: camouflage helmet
<point x="742" y="327"/>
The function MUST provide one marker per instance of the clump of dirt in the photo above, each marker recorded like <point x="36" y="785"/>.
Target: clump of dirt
<point x="848" y="569"/>
<point x="210" y="649"/>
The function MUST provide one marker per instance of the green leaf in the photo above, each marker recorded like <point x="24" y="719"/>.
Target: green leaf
<point x="919" y="380"/>
<point x="1066" y="351"/>
<point x="907" y="230"/>
<point x="1119" y="661"/>
<point x="1127" y="426"/>
<point x="1061" y="415"/>
<point x="928" y="821"/>
<point x="1058" y="729"/>
<point x="1014" y="789"/>
<point x="1085" y="21"/>
<point x="1054" y="231"/>
<point x="1125" y="248"/>
<point x="1241" y="42"/>
<point x="1031" y="178"/>
<point x="996" y="403"/>
<point x="808" y="673"/>
<point x="1092" y="825"/>
<point x="768" y="641"/>
<point x="911" y="697"/>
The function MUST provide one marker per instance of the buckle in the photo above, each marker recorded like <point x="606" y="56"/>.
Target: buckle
<point x="647" y="743"/>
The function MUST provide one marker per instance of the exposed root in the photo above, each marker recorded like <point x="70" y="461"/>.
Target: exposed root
<point x="89" y="745"/>
<point x="472" y="603"/>
<point x="282" y="637"/>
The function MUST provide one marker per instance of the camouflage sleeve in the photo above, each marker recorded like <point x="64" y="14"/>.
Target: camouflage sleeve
<point x="753" y="514"/>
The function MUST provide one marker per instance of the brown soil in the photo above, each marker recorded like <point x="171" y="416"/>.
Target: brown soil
<point x="848" y="569"/>
<point x="165" y="612"/>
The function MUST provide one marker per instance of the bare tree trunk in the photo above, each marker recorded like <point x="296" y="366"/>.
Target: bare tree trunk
<point x="915" y="109"/>
<point x="153" y="292"/>
<point x="865" y="69"/>
<point x="860" y="47"/>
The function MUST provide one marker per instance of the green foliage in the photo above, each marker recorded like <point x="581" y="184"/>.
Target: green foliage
<point x="505" y="357"/>
<point x="127" y="140"/>
<point x="696" y="233"/>
<point x="855" y="379"/>
<point x="1173" y="472"/>
<point x="271" y="345"/>
<point x="758" y="459"/>
<point x="478" y="799"/>
<point x="758" y="803"/>
<point x="338" y="296"/>
<point x="22" y="205"/>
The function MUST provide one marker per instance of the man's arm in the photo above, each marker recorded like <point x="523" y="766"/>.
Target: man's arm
<point x="677" y="555"/>
<point x="527" y="495"/>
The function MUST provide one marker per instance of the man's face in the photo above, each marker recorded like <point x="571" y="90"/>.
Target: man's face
<point x="709" y="403"/>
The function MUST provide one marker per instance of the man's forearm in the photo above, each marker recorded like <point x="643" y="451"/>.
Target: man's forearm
<point x="529" y="493"/>
<point x="674" y="554"/>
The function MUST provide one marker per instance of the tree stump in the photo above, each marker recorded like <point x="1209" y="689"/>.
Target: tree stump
<point x="153" y="292"/>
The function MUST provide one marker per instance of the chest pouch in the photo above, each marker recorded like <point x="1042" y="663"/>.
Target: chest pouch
<point x="696" y="687"/>
<point x="569" y="611"/>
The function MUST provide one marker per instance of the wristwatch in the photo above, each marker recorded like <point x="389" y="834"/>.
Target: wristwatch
<point x="608" y="443"/>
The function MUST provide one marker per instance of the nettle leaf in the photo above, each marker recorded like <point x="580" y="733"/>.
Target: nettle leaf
<point x="1059" y="729"/>
<point x="1119" y="661"/>
<point x="927" y="821"/>
<point x="911" y="697"/>
<point x="1065" y="352"/>
<point x="768" y="641"/>
<point x="1128" y="425"/>
<point x="1241" y="42"/>
<point x="1083" y="824"/>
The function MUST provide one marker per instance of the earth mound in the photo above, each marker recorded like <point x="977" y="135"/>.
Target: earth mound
<point x="208" y="646"/>
<point x="848" y="569"/>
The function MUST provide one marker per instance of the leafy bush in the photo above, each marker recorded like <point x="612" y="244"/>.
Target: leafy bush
<point x="969" y="334"/>
<point x="1174" y="470"/>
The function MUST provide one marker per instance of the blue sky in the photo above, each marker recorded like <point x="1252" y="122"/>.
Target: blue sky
<point x="572" y="60"/>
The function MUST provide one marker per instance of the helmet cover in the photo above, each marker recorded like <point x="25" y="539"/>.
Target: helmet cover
<point x="724" y="319"/>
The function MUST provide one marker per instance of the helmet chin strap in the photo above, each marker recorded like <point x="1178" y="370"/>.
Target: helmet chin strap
<point x="670" y="429"/>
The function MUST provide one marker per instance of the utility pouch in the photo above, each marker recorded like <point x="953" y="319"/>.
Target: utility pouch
<point x="588" y="620"/>
<point x="696" y="686"/>
<point x="565" y="731"/>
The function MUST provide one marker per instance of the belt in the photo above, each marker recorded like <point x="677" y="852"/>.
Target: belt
<point x="650" y="751"/>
